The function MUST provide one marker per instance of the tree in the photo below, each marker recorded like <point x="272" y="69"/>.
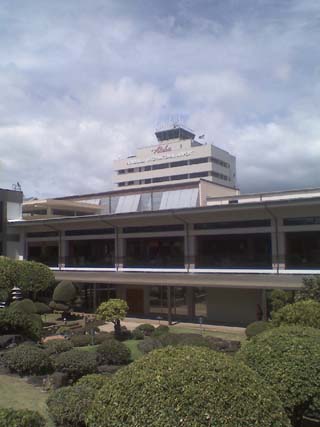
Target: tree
<point x="65" y="297"/>
<point x="287" y="358"/>
<point x="186" y="387"/>
<point x="113" y="311"/>
<point x="31" y="277"/>
<point x="310" y="289"/>
<point x="304" y="313"/>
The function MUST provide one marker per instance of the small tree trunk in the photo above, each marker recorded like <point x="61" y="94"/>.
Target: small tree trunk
<point x="117" y="328"/>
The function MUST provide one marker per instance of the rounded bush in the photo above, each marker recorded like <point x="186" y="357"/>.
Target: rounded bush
<point x="28" y="359"/>
<point x="102" y="337"/>
<point x="161" y="330"/>
<point x="151" y="343"/>
<point x="57" y="346"/>
<point x="76" y="363"/>
<point x="68" y="406"/>
<point x="306" y="313"/>
<point x="137" y="334"/>
<point x="287" y="358"/>
<point x="25" y="305"/>
<point x="20" y="418"/>
<point x="256" y="328"/>
<point x="113" y="352"/>
<point x="42" y="308"/>
<point x="81" y="340"/>
<point x="19" y="322"/>
<point x="146" y="328"/>
<point x="188" y="387"/>
<point x="64" y="292"/>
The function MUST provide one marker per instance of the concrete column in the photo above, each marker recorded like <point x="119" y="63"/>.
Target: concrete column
<point x="63" y="250"/>
<point x="282" y="249"/>
<point x="264" y="304"/>
<point x="189" y="248"/>
<point x="120" y="251"/>
<point x="169" y="305"/>
<point x="146" y="296"/>
<point x="94" y="297"/>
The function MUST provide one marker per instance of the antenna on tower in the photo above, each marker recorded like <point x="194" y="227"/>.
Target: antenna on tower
<point x="16" y="187"/>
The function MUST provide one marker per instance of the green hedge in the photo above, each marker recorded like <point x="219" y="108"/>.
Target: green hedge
<point x="287" y="358"/>
<point x="20" y="418"/>
<point x="26" y="359"/>
<point x="256" y="328"/>
<point x="187" y="387"/>
<point x="68" y="406"/>
<point x="305" y="313"/>
<point x="81" y="340"/>
<point x="113" y="352"/>
<point x="57" y="346"/>
<point x="76" y="363"/>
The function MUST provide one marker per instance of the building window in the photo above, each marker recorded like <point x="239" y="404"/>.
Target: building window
<point x="306" y="220"/>
<point x="233" y="224"/>
<point x="161" y="179"/>
<point x="177" y="177"/>
<point x="220" y="162"/>
<point x="198" y="161"/>
<point x="199" y="174"/>
<point x="178" y="164"/>
<point x="160" y="166"/>
<point x="147" y="168"/>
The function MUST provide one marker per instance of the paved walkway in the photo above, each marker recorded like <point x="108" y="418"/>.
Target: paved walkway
<point x="132" y="322"/>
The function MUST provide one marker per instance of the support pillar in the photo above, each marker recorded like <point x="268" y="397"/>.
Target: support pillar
<point x="169" y="305"/>
<point x="94" y="297"/>
<point x="189" y="247"/>
<point x="120" y="250"/>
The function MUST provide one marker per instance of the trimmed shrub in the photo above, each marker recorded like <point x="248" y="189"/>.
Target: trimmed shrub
<point x="28" y="359"/>
<point x="42" y="308"/>
<point x="25" y="305"/>
<point x="149" y="344"/>
<point x="76" y="363"/>
<point x="19" y="322"/>
<point x="102" y="337"/>
<point x="57" y="346"/>
<point x="113" y="352"/>
<point x="81" y="340"/>
<point x="287" y="358"/>
<point x="188" y="387"/>
<point x="65" y="297"/>
<point x="137" y="334"/>
<point x="146" y="328"/>
<point x="161" y="330"/>
<point x="304" y="313"/>
<point x="6" y="340"/>
<point x="256" y="328"/>
<point x="69" y="406"/>
<point x="20" y="418"/>
<point x="310" y="289"/>
<point x="123" y="335"/>
<point x="280" y="298"/>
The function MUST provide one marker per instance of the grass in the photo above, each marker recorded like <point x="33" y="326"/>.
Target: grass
<point x="236" y="336"/>
<point x="133" y="347"/>
<point x="17" y="394"/>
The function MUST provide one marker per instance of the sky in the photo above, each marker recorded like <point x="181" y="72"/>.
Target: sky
<point x="83" y="83"/>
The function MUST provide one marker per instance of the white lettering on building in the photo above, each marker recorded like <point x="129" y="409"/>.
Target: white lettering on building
<point x="162" y="157"/>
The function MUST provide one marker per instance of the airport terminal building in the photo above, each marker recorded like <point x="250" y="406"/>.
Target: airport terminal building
<point x="179" y="249"/>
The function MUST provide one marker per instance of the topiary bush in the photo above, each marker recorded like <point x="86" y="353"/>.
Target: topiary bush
<point x="27" y="359"/>
<point x="161" y="330"/>
<point x="287" y="358"/>
<point x="76" y="363"/>
<point x="19" y="322"/>
<point x="163" y="340"/>
<point x="65" y="297"/>
<point x="57" y="346"/>
<point x="187" y="387"/>
<point x="68" y="406"/>
<point x="42" y="308"/>
<point x="137" y="334"/>
<point x="113" y="352"/>
<point x="25" y="305"/>
<point x="20" y="418"/>
<point x="306" y="313"/>
<point x="146" y="328"/>
<point x="149" y="344"/>
<point x="256" y="328"/>
<point x="102" y="337"/>
<point x="81" y="340"/>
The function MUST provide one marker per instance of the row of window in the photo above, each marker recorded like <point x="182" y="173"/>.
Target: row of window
<point x="177" y="164"/>
<point x="180" y="227"/>
<point x="175" y="178"/>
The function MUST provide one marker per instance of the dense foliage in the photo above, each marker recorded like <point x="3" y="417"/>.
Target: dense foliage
<point x="65" y="297"/>
<point x="68" y="406"/>
<point x="42" y="308"/>
<point x="57" y="346"/>
<point x="280" y="298"/>
<point x="80" y="340"/>
<point x="163" y="340"/>
<point x="146" y="328"/>
<point x="26" y="305"/>
<point x="20" y="418"/>
<point x="256" y="328"/>
<point x="28" y="359"/>
<point x="187" y="387"/>
<point x="76" y="363"/>
<point x="19" y="322"/>
<point x="161" y="330"/>
<point x="304" y="313"/>
<point x="113" y="352"/>
<point x="113" y="310"/>
<point x="31" y="277"/>
<point x="310" y="289"/>
<point x="287" y="358"/>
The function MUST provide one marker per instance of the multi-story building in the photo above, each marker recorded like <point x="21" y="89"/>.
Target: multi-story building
<point x="177" y="157"/>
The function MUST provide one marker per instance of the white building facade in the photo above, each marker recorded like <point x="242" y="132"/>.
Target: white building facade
<point x="177" y="157"/>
